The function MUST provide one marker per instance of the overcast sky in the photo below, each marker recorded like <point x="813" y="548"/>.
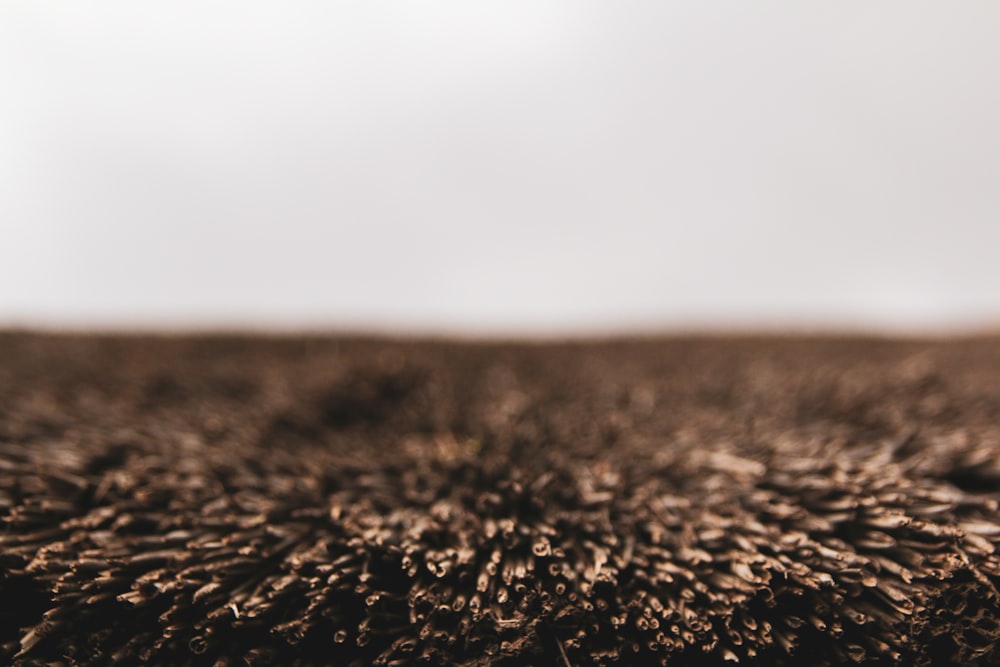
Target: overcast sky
<point x="500" y="167"/>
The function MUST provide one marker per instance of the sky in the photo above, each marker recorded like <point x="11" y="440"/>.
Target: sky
<point x="510" y="168"/>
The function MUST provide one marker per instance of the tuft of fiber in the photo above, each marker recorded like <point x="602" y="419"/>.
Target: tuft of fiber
<point x="314" y="501"/>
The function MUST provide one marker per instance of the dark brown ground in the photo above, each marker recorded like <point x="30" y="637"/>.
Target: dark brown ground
<point x="321" y="501"/>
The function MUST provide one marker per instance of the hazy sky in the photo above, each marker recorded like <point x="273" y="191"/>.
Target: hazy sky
<point x="510" y="167"/>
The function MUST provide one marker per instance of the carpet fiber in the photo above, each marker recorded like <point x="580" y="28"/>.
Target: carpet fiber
<point x="232" y="501"/>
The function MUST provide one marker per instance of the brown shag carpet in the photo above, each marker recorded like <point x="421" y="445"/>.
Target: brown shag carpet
<point x="320" y="501"/>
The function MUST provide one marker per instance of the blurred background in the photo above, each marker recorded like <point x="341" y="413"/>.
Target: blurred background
<point x="486" y="168"/>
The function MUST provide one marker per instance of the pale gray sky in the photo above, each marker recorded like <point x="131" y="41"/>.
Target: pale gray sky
<point x="508" y="167"/>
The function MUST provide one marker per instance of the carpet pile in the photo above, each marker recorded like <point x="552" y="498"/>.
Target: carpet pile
<point x="316" y="500"/>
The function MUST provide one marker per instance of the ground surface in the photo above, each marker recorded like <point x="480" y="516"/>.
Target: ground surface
<point x="271" y="501"/>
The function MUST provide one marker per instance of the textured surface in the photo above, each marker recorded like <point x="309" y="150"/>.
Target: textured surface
<point x="232" y="501"/>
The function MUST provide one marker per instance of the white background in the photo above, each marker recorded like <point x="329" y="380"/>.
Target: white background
<point x="487" y="167"/>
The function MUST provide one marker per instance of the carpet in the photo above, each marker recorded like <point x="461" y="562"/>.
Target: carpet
<point x="310" y="500"/>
